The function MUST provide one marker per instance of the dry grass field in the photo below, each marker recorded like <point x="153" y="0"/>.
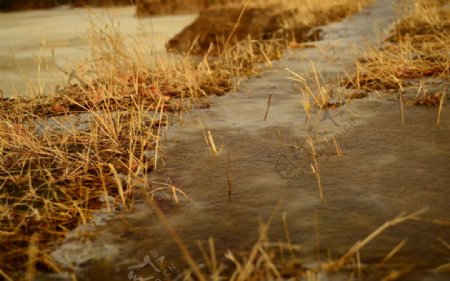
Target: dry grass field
<point x="98" y="137"/>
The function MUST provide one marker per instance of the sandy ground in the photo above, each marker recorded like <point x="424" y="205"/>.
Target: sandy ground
<point x="387" y="168"/>
<point x="64" y="33"/>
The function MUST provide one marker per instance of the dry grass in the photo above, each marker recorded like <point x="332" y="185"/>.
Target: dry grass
<point x="419" y="48"/>
<point x="415" y="56"/>
<point x="281" y="260"/>
<point x="52" y="177"/>
<point x="64" y="155"/>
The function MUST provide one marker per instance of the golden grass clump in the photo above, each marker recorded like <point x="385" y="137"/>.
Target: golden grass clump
<point x="54" y="175"/>
<point x="420" y="47"/>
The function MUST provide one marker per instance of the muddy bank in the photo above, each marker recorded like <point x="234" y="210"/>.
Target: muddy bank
<point x="143" y="7"/>
<point x="13" y="5"/>
<point x="101" y="3"/>
<point x="219" y="25"/>
<point x="162" y="7"/>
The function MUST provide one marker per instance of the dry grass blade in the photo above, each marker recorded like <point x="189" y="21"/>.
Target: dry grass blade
<point x="33" y="252"/>
<point x="401" y="109"/>
<point x="268" y="106"/>
<point x="315" y="167"/>
<point x="230" y="187"/>
<point x="338" y="147"/>
<point x="236" y="24"/>
<point x="333" y="265"/>
<point x="214" y="264"/>
<point x="396" y="274"/>
<point x="445" y="268"/>
<point x="119" y="185"/>
<point x="164" y="187"/>
<point x="6" y="277"/>
<point x="393" y="251"/>
<point x="186" y="254"/>
<point x="288" y="237"/>
<point x="441" y="103"/>
<point x="209" y="139"/>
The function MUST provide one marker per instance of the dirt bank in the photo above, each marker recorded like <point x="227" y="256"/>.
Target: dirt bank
<point x="12" y="5"/>
<point x="233" y="23"/>
<point x="158" y="7"/>
<point x="101" y="3"/>
<point x="144" y="7"/>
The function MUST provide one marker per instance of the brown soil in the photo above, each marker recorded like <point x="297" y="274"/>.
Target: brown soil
<point x="13" y="5"/>
<point x="80" y="3"/>
<point x="215" y="24"/>
<point x="158" y="7"/>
